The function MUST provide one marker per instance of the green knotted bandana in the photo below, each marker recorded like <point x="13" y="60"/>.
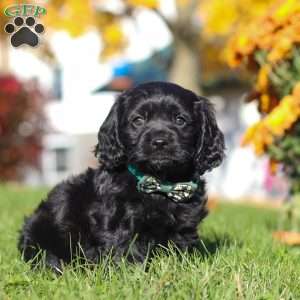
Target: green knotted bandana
<point x="178" y="192"/>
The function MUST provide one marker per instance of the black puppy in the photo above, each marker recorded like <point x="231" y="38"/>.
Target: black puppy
<point x="155" y="144"/>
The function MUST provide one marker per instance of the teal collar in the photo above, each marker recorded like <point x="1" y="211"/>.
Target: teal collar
<point x="135" y="172"/>
<point x="178" y="192"/>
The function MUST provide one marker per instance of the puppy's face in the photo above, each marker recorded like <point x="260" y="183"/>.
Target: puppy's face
<point x="159" y="131"/>
<point x="161" y="126"/>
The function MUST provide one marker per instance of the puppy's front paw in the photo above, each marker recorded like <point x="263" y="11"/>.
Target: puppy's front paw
<point x="54" y="263"/>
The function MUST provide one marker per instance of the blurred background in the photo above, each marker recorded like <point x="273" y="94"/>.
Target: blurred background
<point x="54" y="97"/>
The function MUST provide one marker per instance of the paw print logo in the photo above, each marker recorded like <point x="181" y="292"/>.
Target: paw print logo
<point x="24" y="32"/>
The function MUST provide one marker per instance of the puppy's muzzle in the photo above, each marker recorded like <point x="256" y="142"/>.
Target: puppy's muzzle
<point x="160" y="139"/>
<point x="159" y="143"/>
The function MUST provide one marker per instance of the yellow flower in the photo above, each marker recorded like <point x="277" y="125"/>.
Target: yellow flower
<point x="285" y="9"/>
<point x="113" y="34"/>
<point x="249" y="134"/>
<point x="242" y="42"/>
<point x="282" y="118"/>
<point x="62" y="15"/>
<point x="113" y="38"/>
<point x="145" y="3"/>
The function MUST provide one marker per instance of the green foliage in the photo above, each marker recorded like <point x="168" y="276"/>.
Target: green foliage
<point x="287" y="151"/>
<point x="238" y="260"/>
<point x="286" y="74"/>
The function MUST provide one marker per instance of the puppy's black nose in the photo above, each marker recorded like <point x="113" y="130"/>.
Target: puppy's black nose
<point x="159" y="143"/>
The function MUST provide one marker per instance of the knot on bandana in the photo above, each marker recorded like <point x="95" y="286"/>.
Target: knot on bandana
<point x="178" y="192"/>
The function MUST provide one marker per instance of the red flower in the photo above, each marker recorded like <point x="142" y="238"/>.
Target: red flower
<point x="10" y="85"/>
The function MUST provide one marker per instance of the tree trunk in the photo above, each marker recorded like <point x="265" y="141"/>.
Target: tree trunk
<point x="4" y="55"/>
<point x="185" y="69"/>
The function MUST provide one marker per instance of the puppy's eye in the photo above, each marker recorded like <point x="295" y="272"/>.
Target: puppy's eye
<point x="180" y="120"/>
<point x="138" y="121"/>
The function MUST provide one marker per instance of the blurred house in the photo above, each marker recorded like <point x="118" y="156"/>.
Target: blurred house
<point x="73" y="114"/>
<point x="128" y="74"/>
<point x="69" y="145"/>
<point x="82" y="92"/>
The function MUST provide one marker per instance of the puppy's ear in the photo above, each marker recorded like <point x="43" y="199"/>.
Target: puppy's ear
<point x="109" y="150"/>
<point x="210" y="144"/>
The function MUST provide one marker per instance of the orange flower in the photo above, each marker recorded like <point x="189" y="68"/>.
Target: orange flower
<point x="234" y="59"/>
<point x="273" y="166"/>
<point x="262" y="78"/>
<point x="296" y="91"/>
<point x="276" y="32"/>
<point x="262" y="134"/>
<point x="282" y="47"/>
<point x="265" y="102"/>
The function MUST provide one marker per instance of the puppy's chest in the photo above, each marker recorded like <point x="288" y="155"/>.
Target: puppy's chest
<point x="152" y="210"/>
<point x="157" y="212"/>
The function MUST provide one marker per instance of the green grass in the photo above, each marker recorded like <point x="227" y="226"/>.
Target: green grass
<point x="239" y="260"/>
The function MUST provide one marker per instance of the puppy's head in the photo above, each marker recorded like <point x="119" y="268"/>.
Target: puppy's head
<point x="160" y="126"/>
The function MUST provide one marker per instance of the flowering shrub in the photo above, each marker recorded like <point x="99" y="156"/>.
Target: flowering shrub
<point x="20" y="127"/>
<point x="270" y="48"/>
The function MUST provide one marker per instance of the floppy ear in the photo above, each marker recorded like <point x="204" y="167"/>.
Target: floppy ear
<point x="210" y="144"/>
<point x="109" y="150"/>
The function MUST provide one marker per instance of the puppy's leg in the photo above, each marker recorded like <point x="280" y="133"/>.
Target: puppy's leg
<point x="40" y="235"/>
<point x="31" y="252"/>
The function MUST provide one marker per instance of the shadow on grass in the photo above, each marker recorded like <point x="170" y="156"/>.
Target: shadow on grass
<point x="206" y="248"/>
<point x="210" y="246"/>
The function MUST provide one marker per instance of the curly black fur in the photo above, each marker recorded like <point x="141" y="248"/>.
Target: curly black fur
<point x="165" y="131"/>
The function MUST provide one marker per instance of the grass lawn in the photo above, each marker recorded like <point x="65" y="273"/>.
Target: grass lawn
<point x="239" y="260"/>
